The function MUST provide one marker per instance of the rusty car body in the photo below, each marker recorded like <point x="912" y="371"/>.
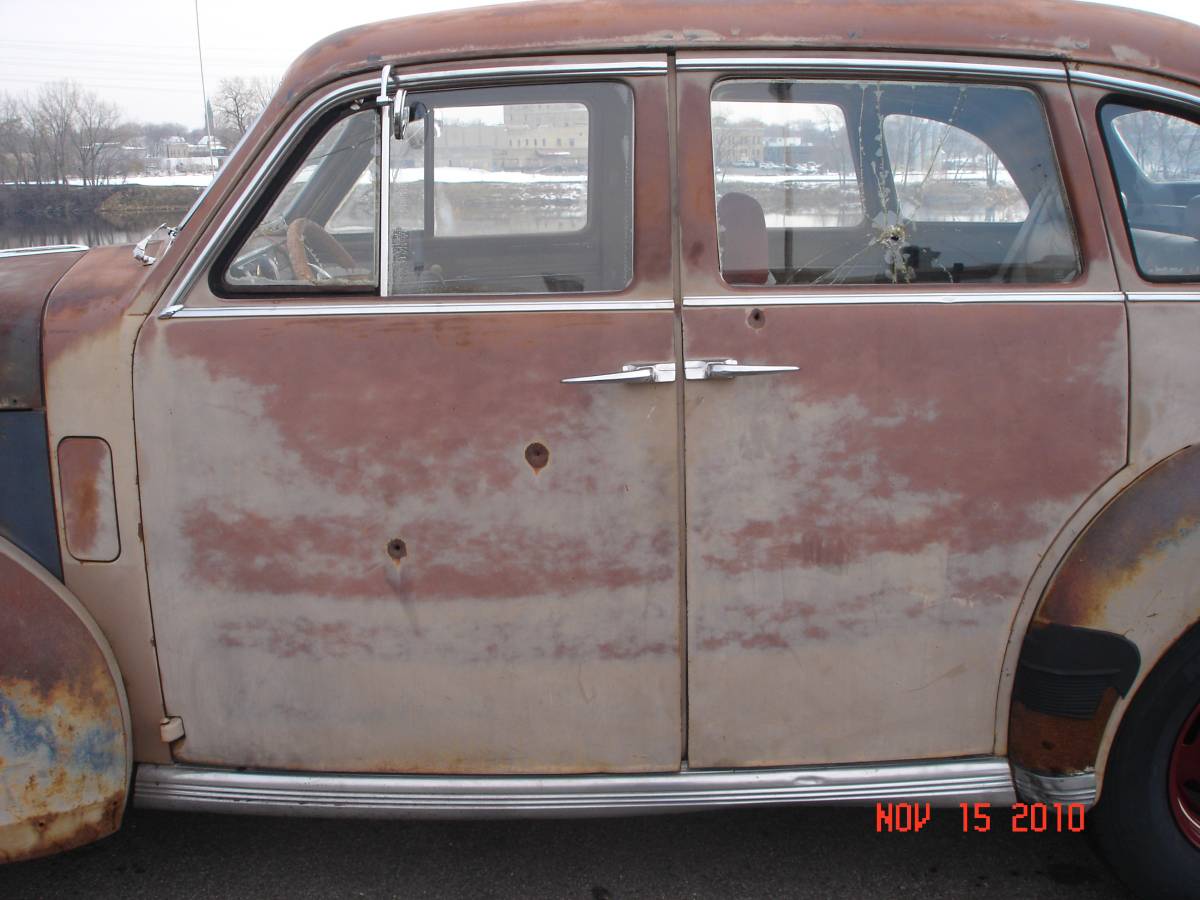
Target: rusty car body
<point x="430" y="515"/>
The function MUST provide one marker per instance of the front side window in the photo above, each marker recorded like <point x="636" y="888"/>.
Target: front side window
<point x="855" y="182"/>
<point x="1155" y="159"/>
<point x="320" y="230"/>
<point x="513" y="190"/>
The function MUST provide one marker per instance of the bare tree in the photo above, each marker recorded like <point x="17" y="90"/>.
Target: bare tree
<point x="96" y="139"/>
<point x="239" y="101"/>
<point x="52" y="113"/>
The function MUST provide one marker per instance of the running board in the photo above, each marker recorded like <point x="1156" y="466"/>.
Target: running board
<point x="942" y="783"/>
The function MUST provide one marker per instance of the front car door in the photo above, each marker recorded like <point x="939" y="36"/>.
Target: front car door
<point x="920" y="239"/>
<point x="382" y="534"/>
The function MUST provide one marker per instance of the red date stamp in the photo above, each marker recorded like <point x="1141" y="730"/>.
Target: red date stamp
<point x="1022" y="817"/>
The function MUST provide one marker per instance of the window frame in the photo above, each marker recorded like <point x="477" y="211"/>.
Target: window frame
<point x="295" y="158"/>
<point x="868" y="70"/>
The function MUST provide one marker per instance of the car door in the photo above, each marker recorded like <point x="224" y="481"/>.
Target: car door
<point x="919" y="239"/>
<point x="383" y="535"/>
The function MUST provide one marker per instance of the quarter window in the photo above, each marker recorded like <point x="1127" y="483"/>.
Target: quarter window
<point x="1155" y="158"/>
<point x="320" y="232"/>
<point x="854" y="182"/>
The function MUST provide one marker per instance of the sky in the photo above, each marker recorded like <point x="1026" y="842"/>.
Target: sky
<point x="141" y="54"/>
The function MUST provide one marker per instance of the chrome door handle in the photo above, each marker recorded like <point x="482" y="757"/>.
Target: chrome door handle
<point x="702" y="369"/>
<point x="631" y="373"/>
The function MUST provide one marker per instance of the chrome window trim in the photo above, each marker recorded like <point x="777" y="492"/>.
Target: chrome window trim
<point x="393" y="308"/>
<point x="889" y="66"/>
<point x="45" y="248"/>
<point x="943" y="783"/>
<point x="892" y="297"/>
<point x="1131" y="86"/>
<point x="475" y="76"/>
<point x="369" y="88"/>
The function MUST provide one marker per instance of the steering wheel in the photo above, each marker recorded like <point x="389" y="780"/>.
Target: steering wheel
<point x="311" y="250"/>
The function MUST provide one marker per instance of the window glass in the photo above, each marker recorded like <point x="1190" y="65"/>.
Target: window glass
<point x="516" y="190"/>
<point x="1155" y="158"/>
<point x="945" y="174"/>
<point x="320" y="231"/>
<point x="840" y="182"/>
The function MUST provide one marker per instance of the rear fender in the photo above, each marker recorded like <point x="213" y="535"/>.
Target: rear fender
<point x="65" y="737"/>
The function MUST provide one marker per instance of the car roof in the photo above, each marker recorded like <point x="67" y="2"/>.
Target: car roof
<point x="1037" y="29"/>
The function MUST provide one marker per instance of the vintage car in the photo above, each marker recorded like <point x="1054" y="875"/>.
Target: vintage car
<point x="601" y="408"/>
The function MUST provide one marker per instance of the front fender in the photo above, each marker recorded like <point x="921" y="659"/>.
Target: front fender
<point x="65" y="737"/>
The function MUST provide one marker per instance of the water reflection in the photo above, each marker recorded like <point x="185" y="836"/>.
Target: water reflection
<point x="92" y="230"/>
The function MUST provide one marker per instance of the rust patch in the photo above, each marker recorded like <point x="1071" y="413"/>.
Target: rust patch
<point x="1057" y="745"/>
<point x="62" y="736"/>
<point x="1148" y="519"/>
<point x="88" y="499"/>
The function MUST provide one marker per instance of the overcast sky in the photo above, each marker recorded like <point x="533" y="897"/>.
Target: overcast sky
<point x="142" y="55"/>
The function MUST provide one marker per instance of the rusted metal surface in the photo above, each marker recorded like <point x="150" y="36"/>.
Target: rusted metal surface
<point x="1133" y="572"/>
<point x="365" y="557"/>
<point x="25" y="282"/>
<point x="860" y="533"/>
<point x="1048" y="29"/>
<point x="64" y="759"/>
<point x="89" y="508"/>
<point x="88" y="353"/>
<point x="1165" y="411"/>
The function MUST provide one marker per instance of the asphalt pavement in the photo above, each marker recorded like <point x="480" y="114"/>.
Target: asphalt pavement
<point x="745" y="853"/>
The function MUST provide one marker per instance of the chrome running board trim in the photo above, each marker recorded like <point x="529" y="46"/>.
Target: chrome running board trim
<point x="1051" y="789"/>
<point x="943" y="783"/>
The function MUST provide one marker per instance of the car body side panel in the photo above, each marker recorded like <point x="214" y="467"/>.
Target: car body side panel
<point x="64" y="723"/>
<point x="88" y="359"/>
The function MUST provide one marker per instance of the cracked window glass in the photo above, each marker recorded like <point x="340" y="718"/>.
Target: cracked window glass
<point x="855" y="182"/>
<point x="1155" y="158"/>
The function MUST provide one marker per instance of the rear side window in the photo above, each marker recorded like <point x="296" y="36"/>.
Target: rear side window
<point x="514" y="190"/>
<point x="1155" y="159"/>
<point x="856" y="182"/>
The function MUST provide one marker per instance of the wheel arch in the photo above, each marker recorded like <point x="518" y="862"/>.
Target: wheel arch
<point x="1124" y="592"/>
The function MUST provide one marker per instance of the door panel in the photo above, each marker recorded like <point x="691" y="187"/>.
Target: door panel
<point x="861" y="531"/>
<point x="396" y="541"/>
<point x="529" y="620"/>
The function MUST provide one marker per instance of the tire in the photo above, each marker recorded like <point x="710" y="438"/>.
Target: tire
<point x="1141" y="824"/>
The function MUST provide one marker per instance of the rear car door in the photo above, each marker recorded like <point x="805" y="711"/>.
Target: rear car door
<point x="921" y="240"/>
<point x="383" y="535"/>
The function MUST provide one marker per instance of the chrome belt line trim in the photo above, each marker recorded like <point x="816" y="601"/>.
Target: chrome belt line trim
<point x="1163" y="296"/>
<point x="1055" y="788"/>
<point x="867" y="65"/>
<point x="411" y="309"/>
<point x="895" y="297"/>
<point x="943" y="783"/>
<point x="47" y="248"/>
<point x="1129" y="85"/>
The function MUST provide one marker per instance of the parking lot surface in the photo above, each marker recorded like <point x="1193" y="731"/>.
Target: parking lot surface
<point x="748" y="853"/>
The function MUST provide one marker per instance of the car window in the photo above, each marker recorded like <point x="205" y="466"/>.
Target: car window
<point x="516" y="190"/>
<point x="320" y="230"/>
<point x="1155" y="158"/>
<point x="855" y="182"/>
